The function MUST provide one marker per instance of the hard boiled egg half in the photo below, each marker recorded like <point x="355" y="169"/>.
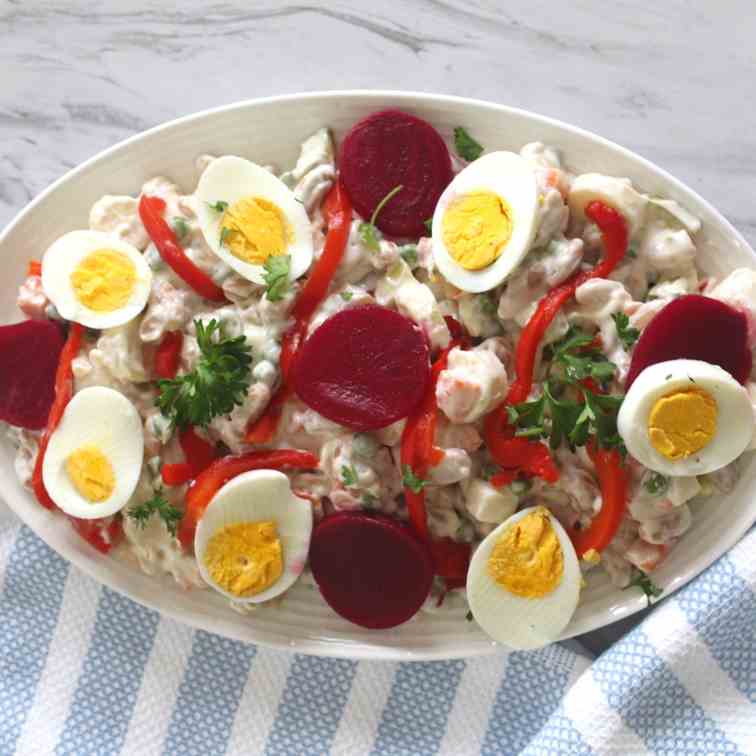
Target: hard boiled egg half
<point x="94" y="457"/>
<point x="485" y="221"/>
<point x="523" y="583"/>
<point x="252" y="541"/>
<point x="96" y="279"/>
<point x="248" y="215"/>
<point x="685" y="417"/>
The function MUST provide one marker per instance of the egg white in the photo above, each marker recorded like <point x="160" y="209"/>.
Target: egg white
<point x="513" y="179"/>
<point x="105" y="419"/>
<point x="254" y="496"/>
<point x="734" y="419"/>
<point x="230" y="179"/>
<point x="65" y="255"/>
<point x="514" y="621"/>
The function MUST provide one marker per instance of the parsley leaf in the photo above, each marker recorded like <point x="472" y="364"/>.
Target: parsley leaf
<point x="180" y="227"/>
<point x="368" y="231"/>
<point x="580" y="359"/>
<point x="487" y="304"/>
<point x="644" y="582"/>
<point x="488" y="470"/>
<point x="408" y="253"/>
<point x="368" y="500"/>
<point x="346" y="295"/>
<point x="467" y="148"/>
<point x="349" y="475"/>
<point x="224" y="235"/>
<point x="412" y="481"/>
<point x="277" y="276"/>
<point x="219" y="207"/>
<point x="217" y="384"/>
<point x="428" y="223"/>
<point x="169" y="514"/>
<point x="627" y="335"/>
<point x="655" y="483"/>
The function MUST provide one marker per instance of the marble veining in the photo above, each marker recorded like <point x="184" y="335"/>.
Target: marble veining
<point x="673" y="81"/>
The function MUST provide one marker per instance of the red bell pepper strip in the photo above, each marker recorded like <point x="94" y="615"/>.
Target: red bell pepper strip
<point x="208" y="482"/>
<point x="506" y="450"/>
<point x="417" y="450"/>
<point x="168" y="355"/>
<point x="612" y="477"/>
<point x="198" y="454"/>
<point x="96" y="533"/>
<point x="176" y="473"/>
<point x="63" y="394"/>
<point x="337" y="210"/>
<point x="35" y="268"/>
<point x="167" y="243"/>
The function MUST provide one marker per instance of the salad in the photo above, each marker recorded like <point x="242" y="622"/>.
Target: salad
<point x="414" y="375"/>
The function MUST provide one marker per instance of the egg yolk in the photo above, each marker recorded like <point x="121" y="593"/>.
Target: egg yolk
<point x="527" y="559"/>
<point x="254" y="228"/>
<point x="104" y="280"/>
<point x="682" y="423"/>
<point x="91" y="473"/>
<point x="245" y="558"/>
<point x="476" y="227"/>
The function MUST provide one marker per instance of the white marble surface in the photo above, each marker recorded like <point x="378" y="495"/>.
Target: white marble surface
<point x="673" y="80"/>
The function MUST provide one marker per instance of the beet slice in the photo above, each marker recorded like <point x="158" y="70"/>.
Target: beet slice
<point x="365" y="367"/>
<point x="29" y="354"/>
<point x="694" y="327"/>
<point x="389" y="149"/>
<point x="370" y="569"/>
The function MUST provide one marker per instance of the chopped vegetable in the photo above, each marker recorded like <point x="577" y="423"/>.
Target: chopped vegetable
<point x="164" y="238"/>
<point x="101" y="532"/>
<point x="35" y="268"/>
<point x="408" y="253"/>
<point x="349" y="475"/>
<point x="209" y="481"/>
<point x="224" y="234"/>
<point x="176" y="474"/>
<point x="277" y="276"/>
<point x="159" y="505"/>
<point x="467" y="148"/>
<point x="180" y="227"/>
<point x="216" y="385"/>
<point x="168" y="355"/>
<point x="643" y="581"/>
<point x="656" y="484"/>
<point x="388" y="149"/>
<point x="370" y="569"/>
<point x="428" y="223"/>
<point x="346" y="295"/>
<point x="627" y="335"/>
<point x="219" y="207"/>
<point x="369" y="232"/>
<point x="411" y="480"/>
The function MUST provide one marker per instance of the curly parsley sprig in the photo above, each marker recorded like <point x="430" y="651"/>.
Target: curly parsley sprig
<point x="567" y="410"/>
<point x="216" y="385"/>
<point x="158" y="504"/>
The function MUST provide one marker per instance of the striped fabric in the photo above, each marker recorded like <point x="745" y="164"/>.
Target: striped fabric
<point x="84" y="670"/>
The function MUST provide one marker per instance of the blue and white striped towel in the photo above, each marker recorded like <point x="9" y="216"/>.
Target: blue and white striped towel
<point x="83" y="670"/>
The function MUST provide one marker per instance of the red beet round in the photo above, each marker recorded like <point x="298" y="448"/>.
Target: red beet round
<point x="389" y="149"/>
<point x="29" y="354"/>
<point x="365" y="368"/>
<point x="694" y="327"/>
<point x="370" y="569"/>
